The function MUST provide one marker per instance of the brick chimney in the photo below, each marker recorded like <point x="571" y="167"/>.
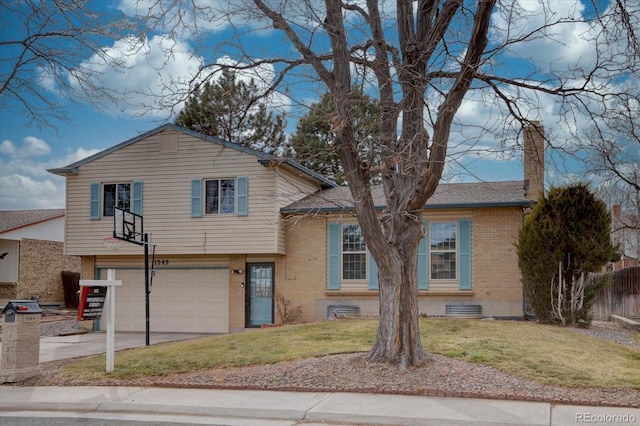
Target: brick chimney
<point x="534" y="160"/>
<point x="615" y="213"/>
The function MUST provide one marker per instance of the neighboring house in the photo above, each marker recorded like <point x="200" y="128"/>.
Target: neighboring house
<point x="233" y="227"/>
<point x="31" y="255"/>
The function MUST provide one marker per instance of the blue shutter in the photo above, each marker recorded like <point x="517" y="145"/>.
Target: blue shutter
<point x="464" y="245"/>
<point x="94" y="203"/>
<point x="242" y="194"/>
<point x="136" y="206"/>
<point x="373" y="274"/>
<point x="196" y="198"/>
<point x="333" y="273"/>
<point x="423" y="261"/>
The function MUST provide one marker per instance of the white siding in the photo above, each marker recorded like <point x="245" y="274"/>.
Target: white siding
<point x="50" y="230"/>
<point x="167" y="200"/>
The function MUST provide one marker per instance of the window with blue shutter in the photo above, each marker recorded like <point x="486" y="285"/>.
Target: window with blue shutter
<point x="136" y="205"/>
<point x="243" y="196"/>
<point x="196" y="198"/>
<point x="373" y="274"/>
<point x="423" y="263"/>
<point x="464" y="254"/>
<point x="94" y="201"/>
<point x="333" y="273"/>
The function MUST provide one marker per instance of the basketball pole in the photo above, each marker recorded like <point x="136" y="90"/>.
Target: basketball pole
<point x="146" y="286"/>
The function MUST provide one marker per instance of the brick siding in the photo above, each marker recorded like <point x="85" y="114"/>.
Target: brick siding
<point x="41" y="265"/>
<point x="496" y="275"/>
<point x="497" y="284"/>
<point x="88" y="268"/>
<point x="302" y="278"/>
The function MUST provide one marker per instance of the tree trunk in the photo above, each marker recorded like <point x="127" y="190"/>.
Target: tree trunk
<point x="398" y="337"/>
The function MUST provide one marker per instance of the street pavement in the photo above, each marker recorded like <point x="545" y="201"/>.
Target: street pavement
<point x="274" y="408"/>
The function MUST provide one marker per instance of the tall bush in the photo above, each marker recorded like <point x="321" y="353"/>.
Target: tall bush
<point x="566" y="236"/>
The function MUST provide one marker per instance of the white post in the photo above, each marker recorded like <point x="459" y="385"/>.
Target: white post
<point x="111" y="284"/>
<point x="111" y="323"/>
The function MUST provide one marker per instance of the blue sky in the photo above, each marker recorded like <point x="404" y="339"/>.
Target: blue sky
<point x="26" y="151"/>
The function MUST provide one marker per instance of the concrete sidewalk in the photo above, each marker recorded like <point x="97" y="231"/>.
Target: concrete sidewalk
<point x="295" y="407"/>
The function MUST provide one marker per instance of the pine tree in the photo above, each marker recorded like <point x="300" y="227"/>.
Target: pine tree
<point x="566" y="236"/>
<point x="229" y="109"/>
<point x="312" y="140"/>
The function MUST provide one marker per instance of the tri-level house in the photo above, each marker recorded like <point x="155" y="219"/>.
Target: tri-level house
<point x="231" y="228"/>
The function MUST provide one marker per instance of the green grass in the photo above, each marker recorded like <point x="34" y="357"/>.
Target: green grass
<point x="546" y="354"/>
<point x="543" y="353"/>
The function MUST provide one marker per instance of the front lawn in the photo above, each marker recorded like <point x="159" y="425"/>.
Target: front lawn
<point x="545" y="354"/>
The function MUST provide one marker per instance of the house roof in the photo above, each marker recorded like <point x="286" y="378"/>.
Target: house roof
<point x="15" y="219"/>
<point x="447" y="195"/>
<point x="263" y="158"/>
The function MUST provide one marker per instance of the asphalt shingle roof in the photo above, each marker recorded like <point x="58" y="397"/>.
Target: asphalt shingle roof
<point x="448" y="195"/>
<point x="14" y="219"/>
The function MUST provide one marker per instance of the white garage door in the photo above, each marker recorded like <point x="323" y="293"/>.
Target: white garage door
<point x="181" y="300"/>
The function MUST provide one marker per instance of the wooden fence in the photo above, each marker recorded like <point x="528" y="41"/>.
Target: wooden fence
<point x="620" y="296"/>
<point x="71" y="287"/>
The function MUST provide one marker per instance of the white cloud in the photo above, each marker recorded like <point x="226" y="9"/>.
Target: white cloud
<point x="185" y="19"/>
<point x="556" y="35"/>
<point x="7" y="147"/>
<point x="25" y="182"/>
<point x="155" y="75"/>
<point x="20" y="192"/>
<point x="46" y="79"/>
<point x="35" y="147"/>
<point x="31" y="147"/>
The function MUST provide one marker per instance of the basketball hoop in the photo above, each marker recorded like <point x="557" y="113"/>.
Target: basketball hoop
<point x="112" y="244"/>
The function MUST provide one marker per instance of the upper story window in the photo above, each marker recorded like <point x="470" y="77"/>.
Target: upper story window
<point x="443" y="252"/>
<point x="220" y="196"/>
<point x="104" y="197"/>
<point x="116" y="195"/>
<point x="354" y="253"/>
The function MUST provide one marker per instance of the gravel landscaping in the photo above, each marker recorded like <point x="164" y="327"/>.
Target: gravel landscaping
<point x="440" y="376"/>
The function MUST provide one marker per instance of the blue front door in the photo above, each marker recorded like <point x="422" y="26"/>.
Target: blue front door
<point x="260" y="294"/>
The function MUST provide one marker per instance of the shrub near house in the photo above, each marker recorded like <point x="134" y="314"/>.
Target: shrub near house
<point x="565" y="237"/>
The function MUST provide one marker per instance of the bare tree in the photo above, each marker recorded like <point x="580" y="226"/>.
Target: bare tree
<point x="610" y="145"/>
<point x="420" y="59"/>
<point x="412" y="164"/>
<point x="45" y="44"/>
<point x="611" y="152"/>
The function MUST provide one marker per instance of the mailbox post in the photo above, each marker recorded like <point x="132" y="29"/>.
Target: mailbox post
<point x="20" y="341"/>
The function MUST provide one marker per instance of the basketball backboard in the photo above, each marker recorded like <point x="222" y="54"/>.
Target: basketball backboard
<point x="127" y="226"/>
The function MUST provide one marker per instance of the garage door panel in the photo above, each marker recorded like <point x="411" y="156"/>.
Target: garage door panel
<point x="181" y="300"/>
<point x="211" y="309"/>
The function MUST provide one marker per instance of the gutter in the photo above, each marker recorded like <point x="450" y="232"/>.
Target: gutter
<point x="337" y="209"/>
